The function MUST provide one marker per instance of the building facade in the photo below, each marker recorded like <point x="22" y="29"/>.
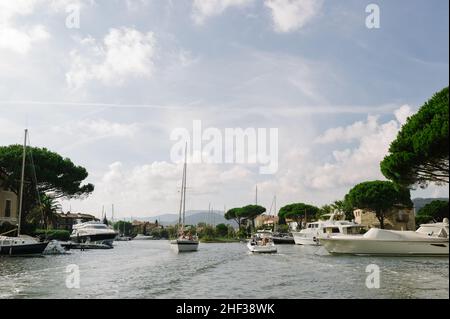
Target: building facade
<point x="266" y="220"/>
<point x="9" y="206"/>
<point x="65" y="221"/>
<point x="398" y="218"/>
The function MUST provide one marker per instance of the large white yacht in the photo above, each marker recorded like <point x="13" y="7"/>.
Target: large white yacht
<point x="334" y="226"/>
<point x="93" y="232"/>
<point x="428" y="240"/>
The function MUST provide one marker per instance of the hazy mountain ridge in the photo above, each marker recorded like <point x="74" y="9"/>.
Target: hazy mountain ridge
<point x="421" y="202"/>
<point x="192" y="218"/>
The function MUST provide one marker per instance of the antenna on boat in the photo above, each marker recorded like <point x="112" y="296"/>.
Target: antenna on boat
<point x="22" y="179"/>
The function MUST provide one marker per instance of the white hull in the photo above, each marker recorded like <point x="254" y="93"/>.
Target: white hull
<point x="184" y="245"/>
<point x="360" y="246"/>
<point x="305" y="239"/>
<point x="266" y="249"/>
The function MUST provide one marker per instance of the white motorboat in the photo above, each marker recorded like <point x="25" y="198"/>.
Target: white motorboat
<point x="262" y="242"/>
<point x="333" y="226"/>
<point x="428" y="240"/>
<point x="93" y="232"/>
<point x="185" y="241"/>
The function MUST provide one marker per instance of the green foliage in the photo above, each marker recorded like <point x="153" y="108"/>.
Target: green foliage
<point x="45" y="213"/>
<point x="420" y="153"/>
<point x="299" y="212"/>
<point x="160" y="233"/>
<point x="423" y="219"/>
<point x="53" y="234"/>
<point x="172" y="232"/>
<point x="55" y="175"/>
<point x="6" y="227"/>
<point x="250" y="211"/>
<point x="345" y="207"/>
<point x="282" y="228"/>
<point x="123" y="227"/>
<point x="221" y="230"/>
<point x="378" y="196"/>
<point x="436" y="210"/>
<point x="233" y="214"/>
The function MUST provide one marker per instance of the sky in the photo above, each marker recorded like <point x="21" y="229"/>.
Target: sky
<point x="106" y="83"/>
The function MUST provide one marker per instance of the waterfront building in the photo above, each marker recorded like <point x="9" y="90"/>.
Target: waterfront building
<point x="266" y="221"/>
<point x="398" y="218"/>
<point x="9" y="205"/>
<point x="65" y="221"/>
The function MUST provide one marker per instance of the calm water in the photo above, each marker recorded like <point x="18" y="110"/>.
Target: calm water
<point x="149" y="269"/>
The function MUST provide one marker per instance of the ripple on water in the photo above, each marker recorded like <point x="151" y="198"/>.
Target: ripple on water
<point x="150" y="269"/>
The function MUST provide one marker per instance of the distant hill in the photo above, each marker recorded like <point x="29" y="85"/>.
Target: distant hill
<point x="421" y="202"/>
<point x="192" y="218"/>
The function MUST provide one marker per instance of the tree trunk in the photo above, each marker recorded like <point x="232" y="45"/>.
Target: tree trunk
<point x="380" y="217"/>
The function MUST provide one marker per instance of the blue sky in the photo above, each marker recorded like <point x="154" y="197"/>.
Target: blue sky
<point x="109" y="94"/>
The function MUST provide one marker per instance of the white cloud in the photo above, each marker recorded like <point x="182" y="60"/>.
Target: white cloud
<point x="124" y="53"/>
<point x="349" y="133"/>
<point x="149" y="189"/>
<point x="354" y="165"/>
<point x="203" y="9"/>
<point x="403" y="113"/>
<point x="291" y="15"/>
<point x="89" y="131"/>
<point x="19" y="39"/>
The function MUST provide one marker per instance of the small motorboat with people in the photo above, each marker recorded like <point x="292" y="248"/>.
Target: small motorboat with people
<point x="262" y="242"/>
<point x="428" y="240"/>
<point x="93" y="232"/>
<point x="334" y="226"/>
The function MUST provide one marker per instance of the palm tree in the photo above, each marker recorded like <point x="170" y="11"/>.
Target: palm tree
<point x="45" y="212"/>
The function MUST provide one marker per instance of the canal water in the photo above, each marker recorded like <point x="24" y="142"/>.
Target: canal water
<point x="150" y="269"/>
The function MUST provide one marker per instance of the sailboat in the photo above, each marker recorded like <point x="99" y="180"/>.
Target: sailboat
<point x="184" y="242"/>
<point x="22" y="244"/>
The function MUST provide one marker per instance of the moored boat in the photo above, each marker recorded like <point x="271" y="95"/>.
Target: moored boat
<point x="93" y="232"/>
<point x="262" y="242"/>
<point x="428" y="240"/>
<point x="185" y="241"/>
<point x="22" y="245"/>
<point x="331" y="227"/>
<point x="279" y="238"/>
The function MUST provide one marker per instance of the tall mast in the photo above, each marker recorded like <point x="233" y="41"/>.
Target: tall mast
<point x="275" y="212"/>
<point x="256" y="195"/>
<point x="22" y="181"/>
<point x="184" y="191"/>
<point x="181" y="199"/>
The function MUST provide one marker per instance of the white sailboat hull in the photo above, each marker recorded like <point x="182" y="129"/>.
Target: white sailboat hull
<point x="184" y="245"/>
<point x="266" y="249"/>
